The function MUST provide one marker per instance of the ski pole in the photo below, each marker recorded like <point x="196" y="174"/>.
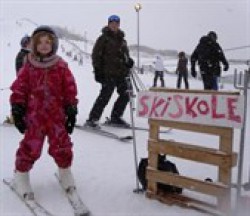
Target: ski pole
<point x="242" y="141"/>
<point x="135" y="84"/>
<point x="139" y="81"/>
<point x="130" y="92"/>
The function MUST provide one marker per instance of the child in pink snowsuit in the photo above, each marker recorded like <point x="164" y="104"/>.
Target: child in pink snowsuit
<point x="44" y="104"/>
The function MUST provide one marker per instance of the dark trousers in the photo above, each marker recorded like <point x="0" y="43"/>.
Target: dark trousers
<point x="208" y="81"/>
<point x="158" y="74"/>
<point x="183" y="76"/>
<point x="105" y="94"/>
<point x="215" y="83"/>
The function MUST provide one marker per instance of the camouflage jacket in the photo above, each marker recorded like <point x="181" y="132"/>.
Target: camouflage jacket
<point x="110" y="54"/>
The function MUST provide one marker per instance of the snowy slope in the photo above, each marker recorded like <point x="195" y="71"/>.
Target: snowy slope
<point x="103" y="168"/>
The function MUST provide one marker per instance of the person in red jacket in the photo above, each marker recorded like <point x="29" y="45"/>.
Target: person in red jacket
<point x="43" y="104"/>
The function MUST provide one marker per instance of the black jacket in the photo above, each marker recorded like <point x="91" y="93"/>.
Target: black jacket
<point x="20" y="58"/>
<point x="209" y="55"/>
<point x="110" y="54"/>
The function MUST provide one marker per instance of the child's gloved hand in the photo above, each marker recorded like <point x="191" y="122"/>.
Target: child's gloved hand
<point x="18" y="112"/>
<point x="71" y="112"/>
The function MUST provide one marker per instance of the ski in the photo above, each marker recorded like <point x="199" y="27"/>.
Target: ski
<point x="5" y="124"/>
<point x="102" y="132"/>
<point x="109" y="124"/>
<point x="80" y="209"/>
<point x="35" y="208"/>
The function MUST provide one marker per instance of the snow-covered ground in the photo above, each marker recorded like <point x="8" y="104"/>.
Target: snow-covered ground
<point x="103" y="168"/>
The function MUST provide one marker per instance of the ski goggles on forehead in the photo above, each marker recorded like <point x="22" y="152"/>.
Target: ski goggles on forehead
<point x="114" y="19"/>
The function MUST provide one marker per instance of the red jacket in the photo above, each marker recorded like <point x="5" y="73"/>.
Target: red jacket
<point x="44" y="91"/>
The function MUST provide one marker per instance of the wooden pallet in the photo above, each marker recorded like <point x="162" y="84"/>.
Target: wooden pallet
<point x="186" y="202"/>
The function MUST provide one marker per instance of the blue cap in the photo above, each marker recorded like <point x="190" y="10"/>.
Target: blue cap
<point x="114" y="18"/>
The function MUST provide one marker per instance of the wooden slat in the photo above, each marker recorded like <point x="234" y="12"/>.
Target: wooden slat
<point x="225" y="172"/>
<point x="191" y="152"/>
<point x="226" y="141"/>
<point x="226" y="145"/>
<point x="214" y="130"/>
<point x="154" y="131"/>
<point x="153" y="162"/>
<point x="213" y="189"/>
<point x="153" y="159"/>
<point x="213" y="92"/>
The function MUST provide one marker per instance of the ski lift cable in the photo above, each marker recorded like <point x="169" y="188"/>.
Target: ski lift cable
<point x="237" y="48"/>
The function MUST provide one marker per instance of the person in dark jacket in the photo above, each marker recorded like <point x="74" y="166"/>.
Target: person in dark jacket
<point x="111" y="62"/>
<point x="19" y="62"/>
<point x="209" y="55"/>
<point x="21" y="55"/>
<point x="182" y="70"/>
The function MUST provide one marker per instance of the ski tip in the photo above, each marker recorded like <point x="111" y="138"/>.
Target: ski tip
<point x="86" y="214"/>
<point x="139" y="190"/>
<point x="7" y="181"/>
<point x="126" y="138"/>
<point x="130" y="137"/>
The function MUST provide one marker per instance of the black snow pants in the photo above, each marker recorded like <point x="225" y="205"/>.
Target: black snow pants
<point x="158" y="74"/>
<point x="105" y="94"/>
<point x="208" y="80"/>
<point x="184" y="76"/>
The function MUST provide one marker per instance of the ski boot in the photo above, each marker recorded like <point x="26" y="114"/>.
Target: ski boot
<point x="66" y="179"/>
<point x="92" y="124"/>
<point x="21" y="183"/>
<point x="119" y="122"/>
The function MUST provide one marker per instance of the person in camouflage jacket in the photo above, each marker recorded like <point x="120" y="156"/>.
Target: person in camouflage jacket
<point x="111" y="63"/>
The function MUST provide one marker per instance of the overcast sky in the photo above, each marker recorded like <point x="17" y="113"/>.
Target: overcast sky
<point x="169" y="24"/>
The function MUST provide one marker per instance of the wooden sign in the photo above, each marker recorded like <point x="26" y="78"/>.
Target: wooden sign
<point x="210" y="109"/>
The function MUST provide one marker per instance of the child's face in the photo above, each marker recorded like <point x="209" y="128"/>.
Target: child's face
<point x="44" y="45"/>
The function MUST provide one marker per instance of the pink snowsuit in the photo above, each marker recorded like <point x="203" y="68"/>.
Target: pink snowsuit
<point x="45" y="92"/>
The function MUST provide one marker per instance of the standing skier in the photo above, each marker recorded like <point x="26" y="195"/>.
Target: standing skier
<point x="182" y="70"/>
<point x="111" y="63"/>
<point x="44" y="103"/>
<point x="209" y="55"/>
<point x="23" y="52"/>
<point x="19" y="62"/>
<point x="159" y="71"/>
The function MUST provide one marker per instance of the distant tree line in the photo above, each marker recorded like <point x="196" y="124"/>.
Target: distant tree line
<point x="65" y="33"/>
<point x="151" y="51"/>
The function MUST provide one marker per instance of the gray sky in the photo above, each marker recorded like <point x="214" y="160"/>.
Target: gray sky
<point x="169" y="24"/>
